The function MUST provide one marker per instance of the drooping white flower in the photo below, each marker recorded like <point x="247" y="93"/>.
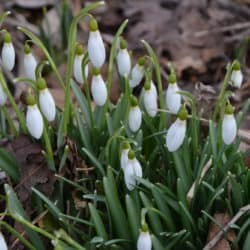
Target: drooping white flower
<point x="176" y="132"/>
<point x="29" y="63"/>
<point x="96" y="47"/>
<point x="3" y="97"/>
<point x="3" y="245"/>
<point x="8" y="52"/>
<point x="150" y="99"/>
<point x="98" y="88"/>
<point x="77" y="68"/>
<point x="144" y="241"/>
<point x="123" y="59"/>
<point x="137" y="73"/>
<point x="236" y="76"/>
<point x="34" y="119"/>
<point x="134" y="116"/>
<point x="173" y="99"/>
<point x="229" y="126"/>
<point x="124" y="155"/>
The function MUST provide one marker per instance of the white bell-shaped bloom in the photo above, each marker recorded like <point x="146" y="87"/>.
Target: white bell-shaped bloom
<point x="29" y="63"/>
<point x="3" y="245"/>
<point x="173" y="99"/>
<point x="150" y="100"/>
<point x="137" y="167"/>
<point x="144" y="241"/>
<point x="8" y="53"/>
<point x="124" y="154"/>
<point x="123" y="59"/>
<point x="96" y="48"/>
<point x="77" y="69"/>
<point x="3" y="97"/>
<point x="134" y="118"/>
<point x="47" y="104"/>
<point x="98" y="89"/>
<point x="34" y="121"/>
<point x="236" y="78"/>
<point x="136" y="75"/>
<point x="153" y="88"/>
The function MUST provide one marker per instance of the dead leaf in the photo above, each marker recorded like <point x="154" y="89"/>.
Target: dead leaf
<point x="33" y="4"/>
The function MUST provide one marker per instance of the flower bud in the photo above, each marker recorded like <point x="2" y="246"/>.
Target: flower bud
<point x="236" y="76"/>
<point x="29" y="63"/>
<point x="137" y="73"/>
<point x="135" y="115"/>
<point x="3" y="245"/>
<point x="96" y="47"/>
<point x="3" y="97"/>
<point x="150" y="99"/>
<point x="8" y="52"/>
<point x="144" y="241"/>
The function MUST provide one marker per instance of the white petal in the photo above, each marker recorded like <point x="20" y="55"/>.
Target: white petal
<point x="153" y="89"/>
<point x="150" y="102"/>
<point x="134" y="118"/>
<point x="129" y="176"/>
<point x="237" y="78"/>
<point x="34" y="121"/>
<point x="123" y="62"/>
<point x="3" y="97"/>
<point x="8" y="56"/>
<point x="124" y="158"/>
<point x="30" y="64"/>
<point x="77" y="69"/>
<point x="96" y="49"/>
<point x="137" y="168"/>
<point x="47" y="104"/>
<point x="3" y="245"/>
<point x="136" y="75"/>
<point x="98" y="90"/>
<point x="144" y="241"/>
<point x="229" y="129"/>
<point x="175" y="135"/>
<point x="173" y="100"/>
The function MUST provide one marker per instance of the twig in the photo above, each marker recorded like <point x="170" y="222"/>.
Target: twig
<point x="215" y="240"/>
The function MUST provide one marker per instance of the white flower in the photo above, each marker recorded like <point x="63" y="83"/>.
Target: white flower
<point x="96" y="47"/>
<point x="123" y="59"/>
<point x="3" y="97"/>
<point x="236" y="78"/>
<point x="175" y="135"/>
<point x="3" y="245"/>
<point x="150" y="100"/>
<point x="154" y="90"/>
<point x="136" y="75"/>
<point x="134" y="118"/>
<point x="47" y="104"/>
<point x="173" y="99"/>
<point x="98" y="89"/>
<point x="77" y="69"/>
<point x="124" y="155"/>
<point x="34" y="121"/>
<point x="29" y="63"/>
<point x="144" y="241"/>
<point x="229" y="128"/>
<point x="8" y="53"/>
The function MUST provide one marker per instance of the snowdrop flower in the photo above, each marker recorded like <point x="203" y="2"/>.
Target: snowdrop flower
<point x="77" y="68"/>
<point x="173" y="99"/>
<point x="150" y="99"/>
<point x="98" y="88"/>
<point x="176" y="132"/>
<point x="29" y="63"/>
<point x="3" y="97"/>
<point x="236" y="76"/>
<point x="137" y="73"/>
<point x="46" y="101"/>
<point x="131" y="170"/>
<point x="144" y="241"/>
<point x="3" y="245"/>
<point x="229" y="126"/>
<point x="34" y="119"/>
<point x="96" y="47"/>
<point x="123" y="59"/>
<point x="8" y="52"/>
<point x="124" y="154"/>
<point x="135" y="115"/>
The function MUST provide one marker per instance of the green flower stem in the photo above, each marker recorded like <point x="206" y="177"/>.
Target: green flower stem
<point x="10" y="121"/>
<point x="71" y="53"/>
<point x="13" y="103"/>
<point x="3" y="120"/>
<point x="3" y="16"/>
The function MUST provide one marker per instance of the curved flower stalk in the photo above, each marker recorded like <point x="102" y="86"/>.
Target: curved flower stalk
<point x="135" y="115"/>
<point x="98" y="88"/>
<point x="144" y="241"/>
<point x="3" y="245"/>
<point x="124" y="154"/>
<point x="8" y="52"/>
<point x="150" y="99"/>
<point x="46" y="101"/>
<point x="176" y="132"/>
<point x="236" y="76"/>
<point x="137" y="73"/>
<point x="34" y="119"/>
<point x="96" y="47"/>
<point x="3" y="96"/>
<point x="131" y="170"/>
<point x="173" y="99"/>
<point x="77" y="68"/>
<point x="29" y="63"/>
<point x="123" y="59"/>
<point x="229" y="126"/>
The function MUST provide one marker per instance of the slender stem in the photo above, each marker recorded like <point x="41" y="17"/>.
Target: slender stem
<point x="10" y="121"/>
